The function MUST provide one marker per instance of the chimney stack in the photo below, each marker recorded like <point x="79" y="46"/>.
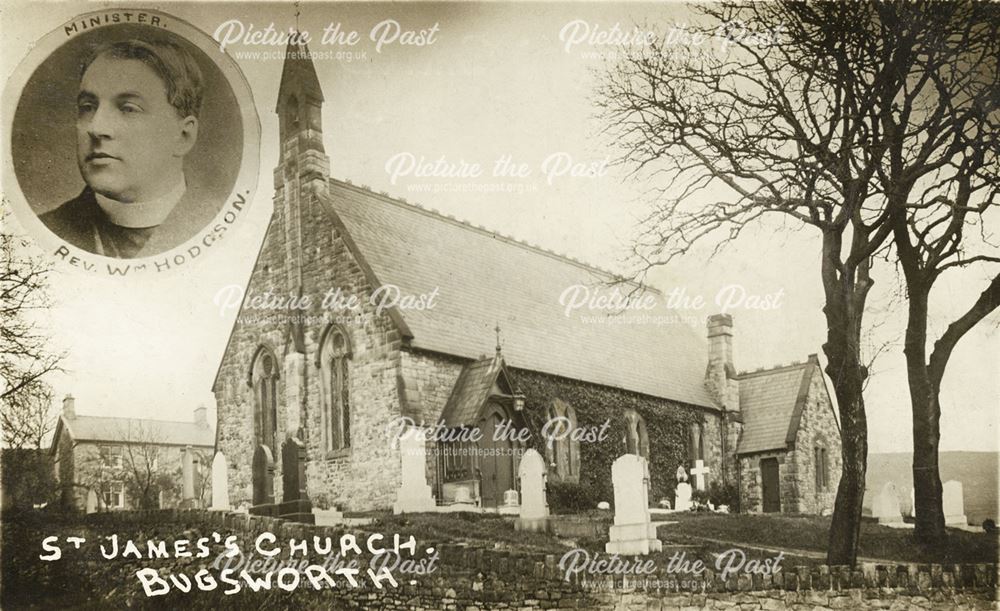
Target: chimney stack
<point x="69" y="407"/>
<point x="720" y="340"/>
<point x="201" y="416"/>
<point x="720" y="376"/>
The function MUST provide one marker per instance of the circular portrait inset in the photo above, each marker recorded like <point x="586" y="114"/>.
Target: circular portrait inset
<point x="132" y="136"/>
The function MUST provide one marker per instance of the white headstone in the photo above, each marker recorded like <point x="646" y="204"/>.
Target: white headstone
<point x="414" y="493"/>
<point x="682" y="497"/>
<point x="463" y="495"/>
<point x="220" y="482"/>
<point x="633" y="532"/>
<point x="91" y="501"/>
<point x="953" y="504"/>
<point x="885" y="507"/>
<point x="604" y="505"/>
<point x="699" y="472"/>
<point x="534" y="508"/>
<point x="511" y="498"/>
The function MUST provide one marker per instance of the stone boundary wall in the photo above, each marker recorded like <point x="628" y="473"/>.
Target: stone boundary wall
<point x="477" y="578"/>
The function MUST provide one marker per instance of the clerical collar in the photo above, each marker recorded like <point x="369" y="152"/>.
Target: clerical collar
<point x="140" y="215"/>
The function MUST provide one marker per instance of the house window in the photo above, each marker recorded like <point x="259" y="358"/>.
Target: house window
<point x="822" y="469"/>
<point x="335" y="357"/>
<point x="562" y="451"/>
<point x="111" y="456"/>
<point x="264" y="379"/>
<point x="114" y="496"/>
<point x="636" y="437"/>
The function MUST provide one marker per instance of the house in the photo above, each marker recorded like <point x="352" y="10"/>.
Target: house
<point x="404" y="316"/>
<point x="108" y="463"/>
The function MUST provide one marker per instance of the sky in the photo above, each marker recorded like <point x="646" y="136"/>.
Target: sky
<point x="497" y="82"/>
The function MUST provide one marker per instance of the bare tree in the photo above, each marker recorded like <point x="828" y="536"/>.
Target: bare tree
<point x="942" y="181"/>
<point x="25" y="351"/>
<point x="28" y="417"/>
<point x="787" y="121"/>
<point x="142" y="454"/>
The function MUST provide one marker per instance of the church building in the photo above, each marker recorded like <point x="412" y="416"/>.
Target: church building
<point x="416" y="318"/>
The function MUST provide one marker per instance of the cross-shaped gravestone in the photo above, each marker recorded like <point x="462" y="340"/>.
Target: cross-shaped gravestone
<point x="699" y="472"/>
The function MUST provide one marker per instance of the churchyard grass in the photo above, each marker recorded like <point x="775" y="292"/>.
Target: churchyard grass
<point x="810" y="533"/>
<point x="790" y="532"/>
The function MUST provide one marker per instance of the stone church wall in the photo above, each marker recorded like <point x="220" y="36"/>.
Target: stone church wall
<point x="817" y="427"/>
<point x="429" y="379"/>
<point x="367" y="474"/>
<point x="751" y="489"/>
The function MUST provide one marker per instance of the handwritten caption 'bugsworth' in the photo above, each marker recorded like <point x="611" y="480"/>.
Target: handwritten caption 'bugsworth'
<point x="235" y="571"/>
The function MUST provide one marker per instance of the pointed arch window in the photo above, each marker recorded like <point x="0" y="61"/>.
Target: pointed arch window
<point x="334" y="361"/>
<point x="696" y="442"/>
<point x="264" y="381"/>
<point x="636" y="436"/>
<point x="822" y="468"/>
<point x="563" y="452"/>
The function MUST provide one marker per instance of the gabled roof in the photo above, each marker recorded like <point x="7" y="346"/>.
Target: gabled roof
<point x="484" y="279"/>
<point x="139" y="430"/>
<point x="472" y="389"/>
<point x="772" y="401"/>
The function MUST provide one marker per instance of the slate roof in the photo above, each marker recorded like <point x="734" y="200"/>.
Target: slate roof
<point x="472" y="389"/>
<point x="771" y="402"/>
<point x="484" y="278"/>
<point x="99" y="428"/>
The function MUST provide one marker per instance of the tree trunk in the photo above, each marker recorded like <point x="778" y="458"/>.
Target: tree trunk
<point x="845" y="528"/>
<point x="926" y="411"/>
<point x="846" y="288"/>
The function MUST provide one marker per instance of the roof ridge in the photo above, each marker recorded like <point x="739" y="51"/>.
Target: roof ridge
<point x="136" y="418"/>
<point x="469" y="225"/>
<point x="772" y="369"/>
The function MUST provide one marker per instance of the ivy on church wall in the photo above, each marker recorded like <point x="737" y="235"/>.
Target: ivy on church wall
<point x="667" y="424"/>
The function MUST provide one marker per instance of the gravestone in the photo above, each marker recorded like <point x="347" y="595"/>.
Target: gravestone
<point x="633" y="532"/>
<point x="511" y="503"/>
<point x="295" y="504"/>
<point x="414" y="494"/>
<point x="953" y="504"/>
<point x="511" y="499"/>
<point x="263" y="482"/>
<point x="220" y="482"/>
<point x="885" y="506"/>
<point x="682" y="495"/>
<point x="463" y="495"/>
<point x="534" y="513"/>
<point x="91" y="501"/>
<point x="187" y="479"/>
<point x="699" y="472"/>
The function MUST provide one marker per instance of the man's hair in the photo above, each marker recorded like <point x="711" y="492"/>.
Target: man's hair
<point x="176" y="68"/>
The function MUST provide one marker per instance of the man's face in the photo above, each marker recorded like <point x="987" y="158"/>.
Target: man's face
<point x="130" y="141"/>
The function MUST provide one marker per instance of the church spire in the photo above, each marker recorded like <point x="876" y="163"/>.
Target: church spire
<point x="300" y="98"/>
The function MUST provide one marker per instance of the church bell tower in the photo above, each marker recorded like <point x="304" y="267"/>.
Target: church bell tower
<point x="300" y="180"/>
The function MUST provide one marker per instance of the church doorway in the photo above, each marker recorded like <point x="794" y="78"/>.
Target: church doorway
<point x="496" y="457"/>
<point x="770" y="482"/>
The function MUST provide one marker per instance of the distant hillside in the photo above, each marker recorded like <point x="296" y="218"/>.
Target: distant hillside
<point x="978" y="472"/>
